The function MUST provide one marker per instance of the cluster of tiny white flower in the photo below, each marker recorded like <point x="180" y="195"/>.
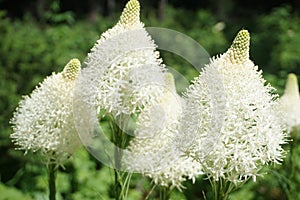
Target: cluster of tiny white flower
<point x="290" y="104"/>
<point x="130" y="77"/>
<point x="230" y="124"/>
<point x="133" y="79"/>
<point x="227" y="126"/>
<point x="151" y="152"/>
<point x="44" y="119"/>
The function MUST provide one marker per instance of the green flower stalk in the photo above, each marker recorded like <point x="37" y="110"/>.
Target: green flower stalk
<point x="231" y="124"/>
<point x="43" y="121"/>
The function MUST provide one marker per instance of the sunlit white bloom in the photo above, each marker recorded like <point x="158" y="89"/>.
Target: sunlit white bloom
<point x="230" y="124"/>
<point x="129" y="76"/>
<point x="152" y="152"/>
<point x="44" y="121"/>
<point x="290" y="103"/>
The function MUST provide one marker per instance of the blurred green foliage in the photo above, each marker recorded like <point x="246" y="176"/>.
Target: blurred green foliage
<point x="276" y="43"/>
<point x="31" y="50"/>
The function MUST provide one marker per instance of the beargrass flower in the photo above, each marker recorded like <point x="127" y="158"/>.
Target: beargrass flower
<point x="43" y="120"/>
<point x="230" y="124"/>
<point x="151" y="152"/>
<point x="130" y="77"/>
<point x="121" y="75"/>
<point x="289" y="114"/>
<point x="290" y="104"/>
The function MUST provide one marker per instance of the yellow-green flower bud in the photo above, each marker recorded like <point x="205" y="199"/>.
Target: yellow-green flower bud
<point x="239" y="50"/>
<point x="72" y="69"/>
<point x="131" y="13"/>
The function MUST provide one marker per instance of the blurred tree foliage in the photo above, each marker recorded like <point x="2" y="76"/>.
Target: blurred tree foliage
<point x="39" y="37"/>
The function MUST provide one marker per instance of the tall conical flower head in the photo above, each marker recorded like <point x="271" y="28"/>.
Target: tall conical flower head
<point x="44" y="121"/>
<point x="128" y="63"/>
<point x="230" y="124"/>
<point x="152" y="152"/>
<point x="290" y="103"/>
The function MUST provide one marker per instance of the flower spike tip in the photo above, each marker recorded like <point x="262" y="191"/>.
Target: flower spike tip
<point x="131" y="13"/>
<point x="72" y="69"/>
<point x="239" y="50"/>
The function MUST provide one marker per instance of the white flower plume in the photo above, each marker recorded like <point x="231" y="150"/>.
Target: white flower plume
<point x="152" y="152"/>
<point x="44" y="120"/>
<point x="290" y="103"/>
<point x="230" y="124"/>
<point x="129" y="67"/>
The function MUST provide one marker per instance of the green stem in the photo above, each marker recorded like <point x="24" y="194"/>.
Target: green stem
<point x="52" y="176"/>
<point x="164" y="193"/>
<point x="221" y="189"/>
<point x="118" y="185"/>
<point x="150" y="192"/>
<point x="291" y="163"/>
<point x="117" y="159"/>
<point x="120" y="139"/>
<point x="291" y="167"/>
